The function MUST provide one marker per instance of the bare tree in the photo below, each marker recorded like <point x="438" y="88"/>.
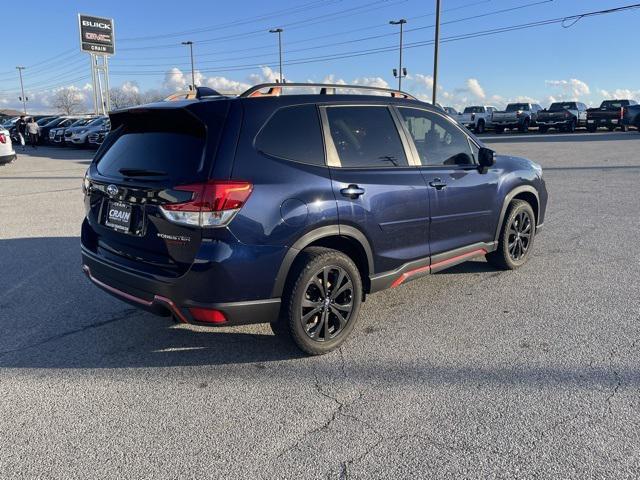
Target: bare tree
<point x="119" y="98"/>
<point x="68" y="101"/>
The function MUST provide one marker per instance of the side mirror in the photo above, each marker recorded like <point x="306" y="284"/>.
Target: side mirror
<point x="486" y="158"/>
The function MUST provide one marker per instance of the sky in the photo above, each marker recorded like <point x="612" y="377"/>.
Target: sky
<point x="331" y="41"/>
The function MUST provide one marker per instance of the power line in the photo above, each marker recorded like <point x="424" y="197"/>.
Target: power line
<point x="359" y="53"/>
<point x="362" y="39"/>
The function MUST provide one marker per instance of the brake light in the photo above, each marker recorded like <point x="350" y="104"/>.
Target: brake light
<point x="621" y="113"/>
<point x="212" y="204"/>
<point x="3" y="139"/>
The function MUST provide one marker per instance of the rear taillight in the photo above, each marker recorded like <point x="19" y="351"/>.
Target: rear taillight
<point x="621" y="113"/>
<point x="3" y="139"/>
<point x="212" y="204"/>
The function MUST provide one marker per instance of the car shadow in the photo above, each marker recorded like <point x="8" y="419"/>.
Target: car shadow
<point x="51" y="316"/>
<point x="76" y="155"/>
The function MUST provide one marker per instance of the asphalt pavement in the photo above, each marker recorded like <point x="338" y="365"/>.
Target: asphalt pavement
<point x="468" y="373"/>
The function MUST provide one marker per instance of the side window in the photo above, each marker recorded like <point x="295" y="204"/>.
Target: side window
<point x="438" y="141"/>
<point x="365" y="137"/>
<point x="293" y="133"/>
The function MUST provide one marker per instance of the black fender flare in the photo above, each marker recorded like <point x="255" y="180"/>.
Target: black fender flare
<point x="507" y="200"/>
<point x="312" y="236"/>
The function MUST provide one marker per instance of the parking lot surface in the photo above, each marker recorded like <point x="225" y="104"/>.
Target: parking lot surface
<point x="468" y="373"/>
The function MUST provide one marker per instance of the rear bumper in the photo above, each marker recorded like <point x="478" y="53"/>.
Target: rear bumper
<point x="7" y="158"/>
<point x="163" y="298"/>
<point x="554" y="123"/>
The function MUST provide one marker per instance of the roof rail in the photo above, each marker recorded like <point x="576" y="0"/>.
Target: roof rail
<point x="275" y="89"/>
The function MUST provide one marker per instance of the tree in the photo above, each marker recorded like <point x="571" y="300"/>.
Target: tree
<point x="119" y="98"/>
<point x="68" y="101"/>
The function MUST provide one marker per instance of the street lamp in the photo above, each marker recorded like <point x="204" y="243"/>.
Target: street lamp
<point x="23" y="98"/>
<point x="401" y="72"/>
<point x="279" y="32"/>
<point x="436" y="47"/>
<point x="193" y="73"/>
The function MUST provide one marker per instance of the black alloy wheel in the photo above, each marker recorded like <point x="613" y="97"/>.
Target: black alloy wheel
<point x="519" y="237"/>
<point x="327" y="303"/>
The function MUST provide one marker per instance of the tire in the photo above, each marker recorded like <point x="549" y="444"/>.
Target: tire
<point x="519" y="218"/>
<point x="310" y="315"/>
<point x="591" y="128"/>
<point x="611" y="129"/>
<point x="544" y="129"/>
<point x="624" y="128"/>
<point x="524" y="127"/>
<point x="499" y="129"/>
<point x="479" y="127"/>
<point x="571" y="128"/>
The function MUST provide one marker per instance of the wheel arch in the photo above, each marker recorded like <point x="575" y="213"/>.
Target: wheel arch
<point x="524" y="192"/>
<point x="345" y="239"/>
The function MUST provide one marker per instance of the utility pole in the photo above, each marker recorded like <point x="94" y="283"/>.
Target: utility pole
<point x="435" y="54"/>
<point x="23" y="98"/>
<point x="193" y="72"/>
<point x="279" y="32"/>
<point x="401" y="72"/>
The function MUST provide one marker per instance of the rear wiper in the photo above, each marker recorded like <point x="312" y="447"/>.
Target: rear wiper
<point x="140" y="172"/>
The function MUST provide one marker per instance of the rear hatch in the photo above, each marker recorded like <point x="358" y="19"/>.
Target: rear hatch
<point x="150" y="152"/>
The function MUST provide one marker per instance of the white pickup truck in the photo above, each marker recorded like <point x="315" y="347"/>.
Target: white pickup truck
<point x="477" y="118"/>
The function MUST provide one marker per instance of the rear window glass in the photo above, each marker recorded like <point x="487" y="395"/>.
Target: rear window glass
<point x="293" y="133"/>
<point x="473" y="110"/>
<point x="611" y="105"/>
<point x="556" y="107"/>
<point x="175" y="155"/>
<point x="514" y="107"/>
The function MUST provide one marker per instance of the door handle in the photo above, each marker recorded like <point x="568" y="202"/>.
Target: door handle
<point x="352" y="191"/>
<point x="438" y="184"/>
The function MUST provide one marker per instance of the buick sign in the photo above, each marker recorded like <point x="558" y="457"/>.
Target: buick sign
<point x="112" y="190"/>
<point x="96" y="35"/>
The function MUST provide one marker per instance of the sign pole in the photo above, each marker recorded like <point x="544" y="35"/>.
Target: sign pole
<point x="94" y="83"/>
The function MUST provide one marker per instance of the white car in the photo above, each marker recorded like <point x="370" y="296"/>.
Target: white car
<point x="7" y="154"/>
<point x="477" y="118"/>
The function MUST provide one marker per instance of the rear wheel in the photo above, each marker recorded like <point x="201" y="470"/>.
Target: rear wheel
<point x="480" y="126"/>
<point x="499" y="129"/>
<point x="591" y="128"/>
<point x="322" y="301"/>
<point x="571" y="127"/>
<point x="611" y="129"/>
<point x="543" y="129"/>
<point x="516" y="237"/>
<point x="524" y="127"/>
<point x="625" y="128"/>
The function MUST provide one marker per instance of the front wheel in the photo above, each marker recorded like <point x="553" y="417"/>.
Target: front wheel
<point x="321" y="302"/>
<point x="516" y="237"/>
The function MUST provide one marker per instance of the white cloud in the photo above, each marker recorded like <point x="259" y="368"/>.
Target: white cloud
<point x="473" y="85"/>
<point x="571" y="89"/>
<point x="620" y="94"/>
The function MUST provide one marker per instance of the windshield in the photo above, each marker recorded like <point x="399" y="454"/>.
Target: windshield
<point x="43" y="121"/>
<point x="473" y="110"/>
<point x="514" y="107"/>
<point x="559" y="106"/>
<point x="82" y="122"/>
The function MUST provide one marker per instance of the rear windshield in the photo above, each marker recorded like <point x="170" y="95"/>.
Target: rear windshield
<point x="514" y="107"/>
<point x="473" y="110"/>
<point x="609" y="105"/>
<point x="157" y="144"/>
<point x="559" y="106"/>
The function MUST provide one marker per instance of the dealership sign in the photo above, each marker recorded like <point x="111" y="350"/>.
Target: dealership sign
<point x="96" y="35"/>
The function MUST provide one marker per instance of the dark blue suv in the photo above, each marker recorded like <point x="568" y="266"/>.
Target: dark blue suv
<point x="290" y="203"/>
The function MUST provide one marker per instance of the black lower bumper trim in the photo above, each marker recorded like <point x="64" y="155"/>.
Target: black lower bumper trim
<point x="7" y="158"/>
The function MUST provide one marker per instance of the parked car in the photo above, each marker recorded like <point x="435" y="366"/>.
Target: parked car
<point x="517" y="115"/>
<point x="252" y="225"/>
<point x="54" y="123"/>
<point x="631" y="116"/>
<point x="56" y="135"/>
<point x="564" y="116"/>
<point x="79" y="135"/>
<point x="7" y="153"/>
<point x="477" y="118"/>
<point x="95" y="139"/>
<point x="451" y="111"/>
<point x="609" y="114"/>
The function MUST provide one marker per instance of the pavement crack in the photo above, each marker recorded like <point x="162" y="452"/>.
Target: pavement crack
<point x="122" y="316"/>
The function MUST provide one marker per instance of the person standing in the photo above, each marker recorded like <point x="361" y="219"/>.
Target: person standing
<point x="21" y="127"/>
<point x="33" y="129"/>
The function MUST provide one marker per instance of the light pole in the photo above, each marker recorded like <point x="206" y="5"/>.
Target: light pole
<point x="193" y="72"/>
<point x="435" y="54"/>
<point x="401" y="72"/>
<point x="23" y="98"/>
<point x="279" y="32"/>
